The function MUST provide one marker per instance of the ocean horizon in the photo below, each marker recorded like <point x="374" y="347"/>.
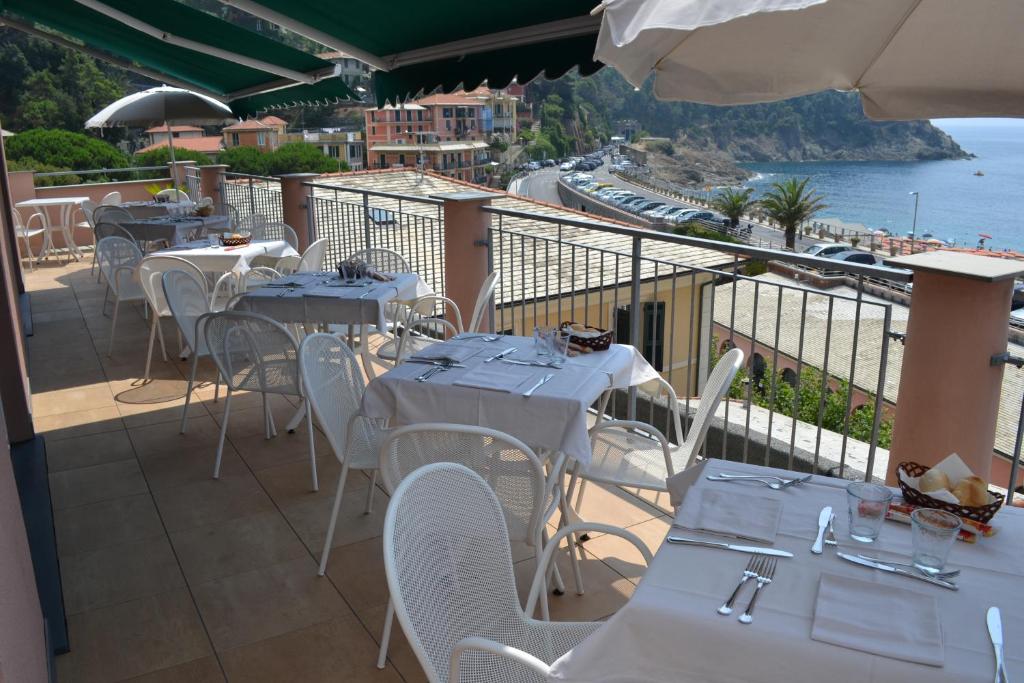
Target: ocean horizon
<point x="955" y="204"/>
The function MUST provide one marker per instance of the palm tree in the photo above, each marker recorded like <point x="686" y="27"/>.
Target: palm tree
<point x="733" y="204"/>
<point x="789" y="203"/>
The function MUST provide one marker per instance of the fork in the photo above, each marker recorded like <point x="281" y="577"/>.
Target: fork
<point x="764" y="577"/>
<point x="753" y="566"/>
<point x="442" y="365"/>
<point x="773" y="485"/>
<point x="830" y="533"/>
<point x="783" y="482"/>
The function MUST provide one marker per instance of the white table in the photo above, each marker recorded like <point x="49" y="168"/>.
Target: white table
<point x="554" y="418"/>
<point x="67" y="206"/>
<point x="152" y="208"/>
<point x="175" y="230"/>
<point x="669" y="631"/>
<point x="217" y="259"/>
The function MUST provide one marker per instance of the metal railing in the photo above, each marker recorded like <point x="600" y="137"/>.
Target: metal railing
<point x="193" y="183"/>
<point x="252" y="194"/>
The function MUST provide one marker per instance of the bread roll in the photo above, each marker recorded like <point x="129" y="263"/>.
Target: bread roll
<point x="971" y="491"/>
<point x="933" y="480"/>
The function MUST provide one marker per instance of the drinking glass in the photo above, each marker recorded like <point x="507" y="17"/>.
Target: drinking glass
<point x="559" y="344"/>
<point x="542" y="339"/>
<point x="932" y="533"/>
<point x="213" y="238"/>
<point x="868" y="505"/>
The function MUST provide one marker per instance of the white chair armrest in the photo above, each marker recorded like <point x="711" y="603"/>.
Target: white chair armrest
<point x="495" y="648"/>
<point x="225" y="280"/>
<point x="40" y="216"/>
<point x="634" y="425"/>
<point x="552" y="546"/>
<point x="118" y="272"/>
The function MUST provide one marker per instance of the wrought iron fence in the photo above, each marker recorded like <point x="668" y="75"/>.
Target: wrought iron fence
<point x="250" y="194"/>
<point x="193" y="183"/>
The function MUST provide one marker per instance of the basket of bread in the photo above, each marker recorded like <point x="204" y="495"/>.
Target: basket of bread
<point x="235" y="239"/>
<point x="585" y="339"/>
<point x="949" y="486"/>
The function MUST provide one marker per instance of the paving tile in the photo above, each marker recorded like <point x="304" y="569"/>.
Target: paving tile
<point x="400" y="654"/>
<point x="211" y="501"/>
<point x="119" y="573"/>
<point x="134" y="638"/>
<point x="164" y="438"/>
<point x="72" y="399"/>
<point x="252" y="606"/>
<point x="612" y="505"/>
<point x="81" y="423"/>
<point x="205" y="670"/>
<point x="219" y="550"/>
<point x="84" y="485"/>
<point x="107" y="523"/>
<point x="292" y="482"/>
<point x="190" y="466"/>
<point x="311" y="517"/>
<point x="357" y="571"/>
<point x="336" y="650"/>
<point x="142" y="415"/>
<point x="621" y="555"/>
<point x="85" y="451"/>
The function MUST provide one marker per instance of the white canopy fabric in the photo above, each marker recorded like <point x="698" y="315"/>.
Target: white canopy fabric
<point x="909" y="59"/>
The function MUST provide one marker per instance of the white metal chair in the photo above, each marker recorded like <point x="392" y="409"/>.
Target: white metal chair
<point x="254" y="353"/>
<point x="286" y="265"/>
<point x="174" y="195"/>
<point x="118" y="259"/>
<point x="527" y="496"/>
<point x="186" y="298"/>
<point x="333" y="385"/>
<point x="26" y="232"/>
<point x="423" y="327"/>
<point x="313" y="258"/>
<point x="449" y="569"/>
<point x="275" y="230"/>
<point x="111" y="198"/>
<point x="384" y="260"/>
<point x="231" y="212"/>
<point x="253" y="224"/>
<point x="637" y="455"/>
<point x="111" y="214"/>
<point x="483" y="301"/>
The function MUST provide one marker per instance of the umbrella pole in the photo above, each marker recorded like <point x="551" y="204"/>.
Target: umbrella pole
<point x="170" y="144"/>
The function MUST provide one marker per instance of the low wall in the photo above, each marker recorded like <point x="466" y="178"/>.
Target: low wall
<point x="581" y="201"/>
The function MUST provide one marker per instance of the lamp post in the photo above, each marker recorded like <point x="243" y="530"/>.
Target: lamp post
<point x="913" y="229"/>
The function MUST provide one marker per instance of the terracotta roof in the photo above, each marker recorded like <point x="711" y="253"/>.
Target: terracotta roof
<point x="250" y="124"/>
<point x="208" y="144"/>
<point x="273" y="121"/>
<point x="175" y="129"/>
<point x="455" y="100"/>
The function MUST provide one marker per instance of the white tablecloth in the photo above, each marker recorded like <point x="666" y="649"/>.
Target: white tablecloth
<point x="319" y="302"/>
<point x="669" y="631"/>
<point x="175" y="230"/>
<point x="555" y="417"/>
<point x="227" y="259"/>
<point x="151" y="208"/>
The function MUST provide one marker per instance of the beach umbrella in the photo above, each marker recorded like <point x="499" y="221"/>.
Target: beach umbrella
<point x="908" y="59"/>
<point x="163" y="105"/>
<point x="984" y="236"/>
<point x="5" y="133"/>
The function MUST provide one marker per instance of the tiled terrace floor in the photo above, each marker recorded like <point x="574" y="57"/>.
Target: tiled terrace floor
<point x="169" y="575"/>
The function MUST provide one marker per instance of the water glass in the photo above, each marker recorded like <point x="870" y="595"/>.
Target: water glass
<point x="542" y="339"/>
<point x="559" y="344"/>
<point x="932" y="533"/>
<point x="868" y="505"/>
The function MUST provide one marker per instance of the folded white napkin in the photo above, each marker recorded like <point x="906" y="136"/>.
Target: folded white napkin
<point x="452" y="351"/>
<point x="493" y="379"/>
<point x="732" y="513"/>
<point x="880" y="619"/>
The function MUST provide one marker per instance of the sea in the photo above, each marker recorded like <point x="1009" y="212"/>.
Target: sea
<point x="955" y="204"/>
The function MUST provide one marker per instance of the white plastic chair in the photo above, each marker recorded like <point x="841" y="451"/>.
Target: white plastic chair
<point x="449" y="569"/>
<point x="186" y="297"/>
<point x="423" y="327"/>
<point x="334" y="388"/>
<point x="26" y="232"/>
<point x="527" y="496"/>
<point x="313" y="258"/>
<point x="636" y="455"/>
<point x="118" y="259"/>
<point x="111" y="198"/>
<point x="174" y="195"/>
<point x="254" y="353"/>
<point x="483" y="301"/>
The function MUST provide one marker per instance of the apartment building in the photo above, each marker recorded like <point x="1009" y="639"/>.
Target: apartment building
<point x="341" y="145"/>
<point x="264" y="134"/>
<point x="185" y="137"/>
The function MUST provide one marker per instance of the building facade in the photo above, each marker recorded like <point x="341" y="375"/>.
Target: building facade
<point x="343" y="146"/>
<point x="264" y="134"/>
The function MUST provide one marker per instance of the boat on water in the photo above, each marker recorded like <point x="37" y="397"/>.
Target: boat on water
<point x="979" y="173"/>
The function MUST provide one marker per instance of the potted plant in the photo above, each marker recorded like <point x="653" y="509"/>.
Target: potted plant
<point x="854" y="241"/>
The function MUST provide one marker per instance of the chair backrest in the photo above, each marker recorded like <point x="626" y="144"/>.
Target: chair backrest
<point x="151" y="272"/>
<point x="286" y="265"/>
<point x="88" y="207"/>
<point x="277" y="230"/>
<point x="187" y="300"/>
<point x="111" y="198"/>
<point x="449" y="568"/>
<point x="232" y="213"/>
<point x="253" y="223"/>
<point x="19" y="224"/>
<point x="252" y="352"/>
<point x="714" y="390"/>
<point x="483" y="301"/>
<point x="313" y="257"/>
<point x="384" y="260"/>
<point x="332" y="382"/>
<point x="116" y="252"/>
<point x="111" y="214"/>
<point x="174" y="194"/>
<point x="423" y="318"/>
<point x="509" y="467"/>
<point x="104" y="229"/>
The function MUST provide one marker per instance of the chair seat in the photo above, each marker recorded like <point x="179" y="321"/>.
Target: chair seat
<point x="363" y="452"/>
<point x="413" y="345"/>
<point x="627" y="458"/>
<point x="29" y="232"/>
<point x="545" y="640"/>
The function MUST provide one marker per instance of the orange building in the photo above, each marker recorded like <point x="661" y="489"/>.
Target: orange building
<point x="185" y="137"/>
<point x="264" y="134"/>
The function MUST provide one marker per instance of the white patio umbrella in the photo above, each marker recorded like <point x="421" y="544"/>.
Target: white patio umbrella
<point x="909" y="59"/>
<point x="161" y="105"/>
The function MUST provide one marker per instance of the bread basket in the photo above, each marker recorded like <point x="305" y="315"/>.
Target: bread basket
<point x="229" y="240"/>
<point x="593" y="338"/>
<point x="982" y="513"/>
<point x="204" y="210"/>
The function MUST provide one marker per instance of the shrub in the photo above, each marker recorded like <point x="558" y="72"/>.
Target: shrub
<point x="245" y="160"/>
<point x="161" y="156"/>
<point x="300" y="157"/>
<point x="30" y="164"/>
<point x="695" y="229"/>
<point x="63" y="149"/>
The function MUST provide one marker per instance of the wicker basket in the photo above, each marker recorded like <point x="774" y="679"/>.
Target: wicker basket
<point x="229" y="241"/>
<point x="597" y="342"/>
<point x="206" y="210"/>
<point x="979" y="514"/>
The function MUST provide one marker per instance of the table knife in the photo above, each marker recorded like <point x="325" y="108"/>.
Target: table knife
<point x="753" y="549"/>
<point x="501" y="354"/>
<point x="897" y="570"/>
<point x="543" y="380"/>
<point x="995" y="632"/>
<point x="823" y="519"/>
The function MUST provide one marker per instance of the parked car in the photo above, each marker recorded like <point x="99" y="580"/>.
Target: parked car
<point x="827" y="250"/>
<point x="548" y="163"/>
<point x="622" y="199"/>
<point x="695" y="215"/>
<point x="855" y="256"/>
<point x="567" y="166"/>
<point x="631" y="202"/>
<point x="646" y="206"/>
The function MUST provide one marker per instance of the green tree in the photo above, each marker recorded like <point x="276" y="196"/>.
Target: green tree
<point x="300" y="157"/>
<point x="161" y="156"/>
<point x="733" y="203"/>
<point x="789" y="203"/>
<point x="245" y="160"/>
<point x="63" y="149"/>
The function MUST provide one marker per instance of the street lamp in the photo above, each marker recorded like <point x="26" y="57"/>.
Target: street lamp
<point x="913" y="229"/>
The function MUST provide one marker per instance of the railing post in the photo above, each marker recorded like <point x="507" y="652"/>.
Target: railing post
<point x="466" y="228"/>
<point x="949" y="388"/>
<point x="211" y="182"/>
<point x="635" y="315"/>
<point x="366" y="222"/>
<point x="294" y="201"/>
<point x="176" y="171"/>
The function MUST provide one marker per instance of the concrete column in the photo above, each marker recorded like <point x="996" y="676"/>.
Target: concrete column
<point x="294" y="196"/>
<point x="465" y="246"/>
<point x="949" y="391"/>
<point x="177" y="171"/>
<point x="210" y="179"/>
<point x="22" y="185"/>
